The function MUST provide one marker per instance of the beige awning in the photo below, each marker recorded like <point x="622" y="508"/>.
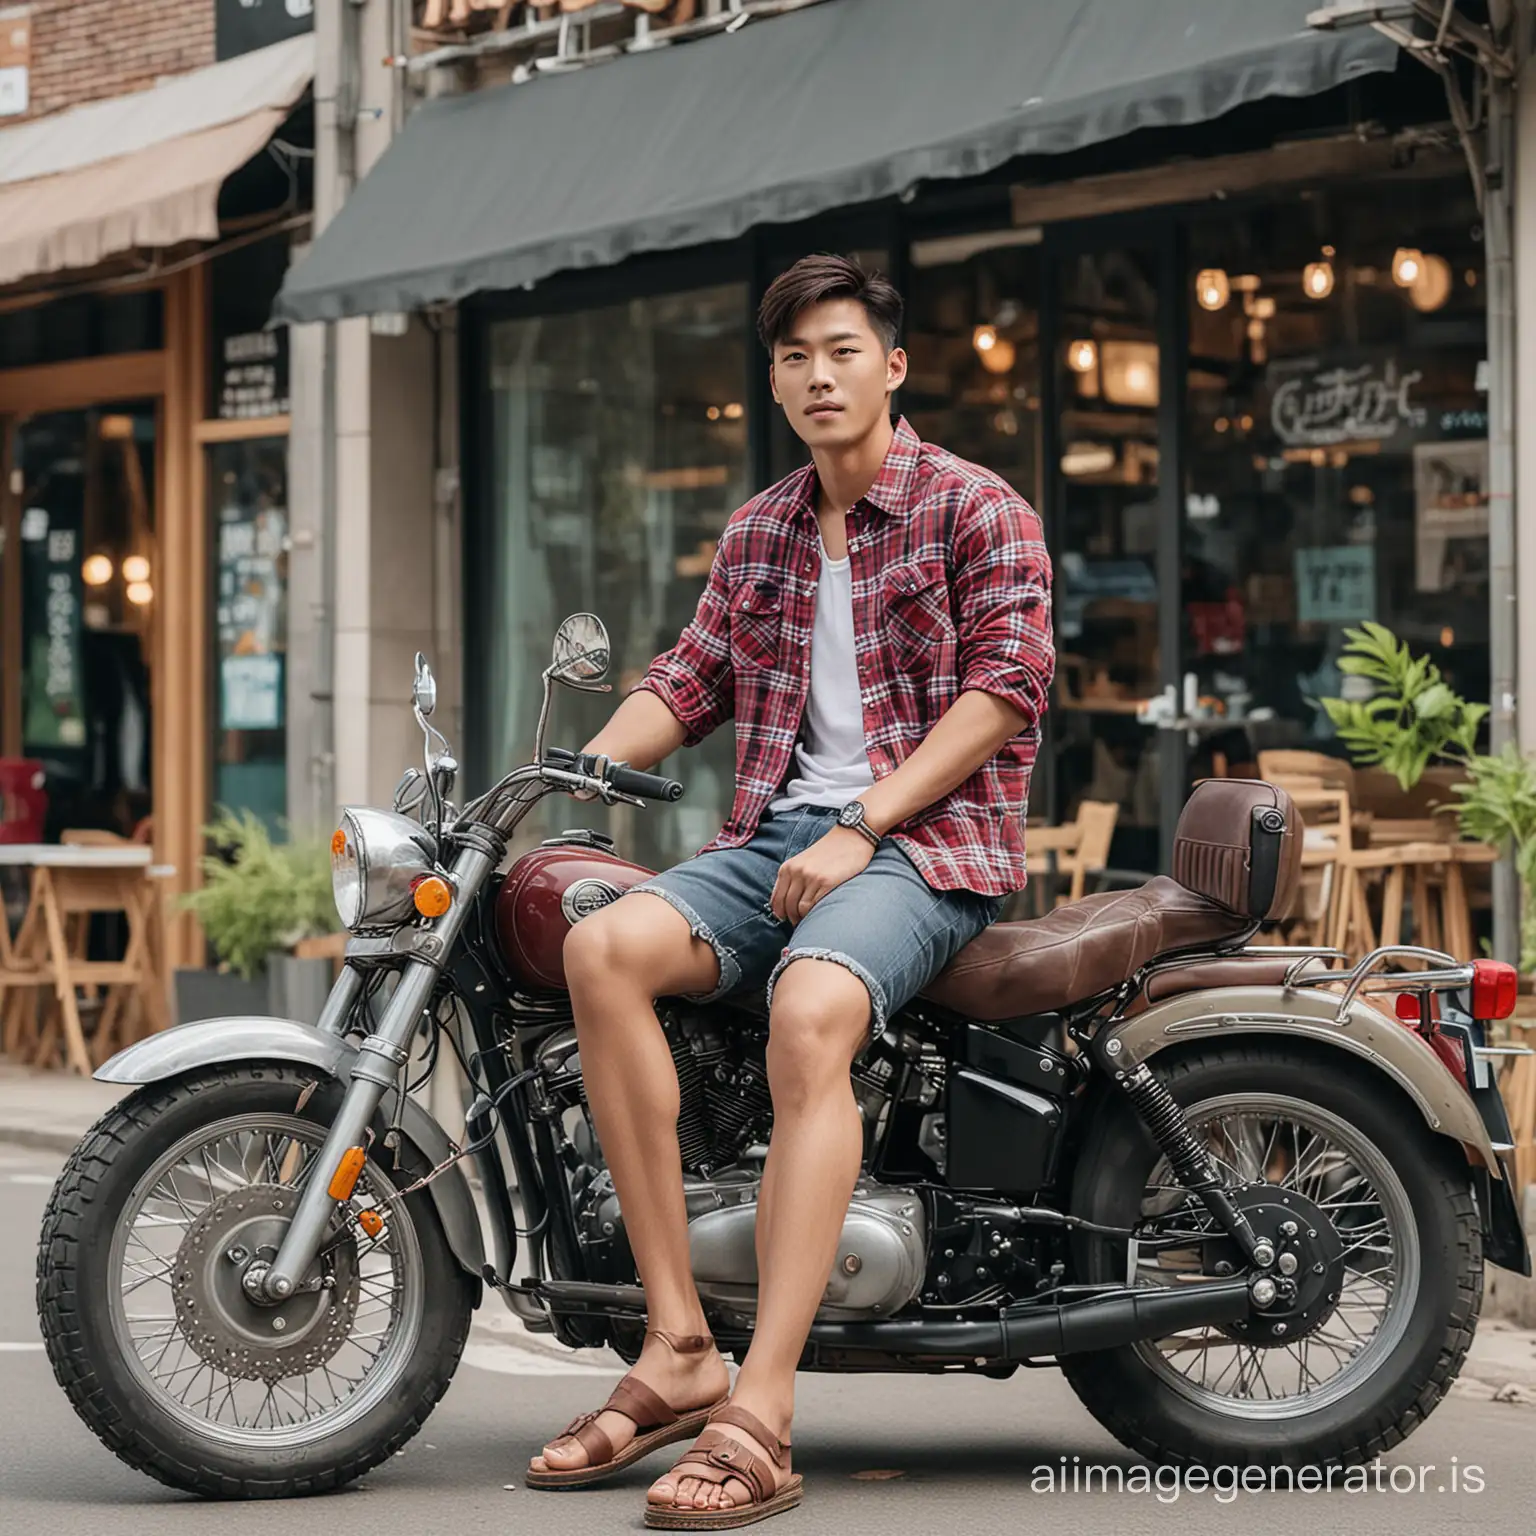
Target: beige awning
<point x="140" y="171"/>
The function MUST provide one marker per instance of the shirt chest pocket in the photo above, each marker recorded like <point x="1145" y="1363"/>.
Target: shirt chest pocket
<point x="757" y="623"/>
<point x="917" y="612"/>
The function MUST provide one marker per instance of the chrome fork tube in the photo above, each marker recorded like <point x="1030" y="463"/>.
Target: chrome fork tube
<point x="379" y="1060"/>
<point x="338" y="1006"/>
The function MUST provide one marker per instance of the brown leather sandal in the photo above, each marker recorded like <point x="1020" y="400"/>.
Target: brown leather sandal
<point x="716" y="1458"/>
<point x="657" y="1423"/>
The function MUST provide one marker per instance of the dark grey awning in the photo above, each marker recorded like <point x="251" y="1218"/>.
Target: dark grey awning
<point x="837" y="104"/>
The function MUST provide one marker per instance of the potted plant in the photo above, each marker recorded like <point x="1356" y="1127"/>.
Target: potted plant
<point x="1413" y="718"/>
<point x="261" y="901"/>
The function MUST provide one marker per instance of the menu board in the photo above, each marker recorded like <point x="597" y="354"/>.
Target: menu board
<point x="250" y="618"/>
<point x="53" y="710"/>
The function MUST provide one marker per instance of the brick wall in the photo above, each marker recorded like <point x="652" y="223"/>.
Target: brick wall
<point x="83" y="50"/>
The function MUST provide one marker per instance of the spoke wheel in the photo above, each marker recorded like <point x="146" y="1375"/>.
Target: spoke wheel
<point x="152" y="1245"/>
<point x="1371" y="1273"/>
<point x="1369" y="1346"/>
<point x="212" y="1209"/>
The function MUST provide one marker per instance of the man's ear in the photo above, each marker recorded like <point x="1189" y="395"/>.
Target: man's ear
<point x="895" y="370"/>
<point x="773" y="386"/>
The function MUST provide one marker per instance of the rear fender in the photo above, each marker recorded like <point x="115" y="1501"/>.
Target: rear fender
<point x="1309" y="1014"/>
<point x="213" y="1042"/>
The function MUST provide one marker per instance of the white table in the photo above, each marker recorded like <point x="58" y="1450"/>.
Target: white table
<point x="78" y="879"/>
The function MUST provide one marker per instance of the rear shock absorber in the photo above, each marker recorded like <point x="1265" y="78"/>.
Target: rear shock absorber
<point x="1192" y="1165"/>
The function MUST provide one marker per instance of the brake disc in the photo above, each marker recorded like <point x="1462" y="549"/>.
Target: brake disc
<point x="230" y="1330"/>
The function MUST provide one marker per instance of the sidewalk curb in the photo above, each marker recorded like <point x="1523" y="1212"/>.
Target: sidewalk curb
<point x="39" y="1140"/>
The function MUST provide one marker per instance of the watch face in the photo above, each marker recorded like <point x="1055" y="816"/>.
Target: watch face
<point x="851" y="814"/>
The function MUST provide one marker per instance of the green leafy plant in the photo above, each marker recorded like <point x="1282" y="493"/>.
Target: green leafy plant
<point x="1413" y="717"/>
<point x="259" y="897"/>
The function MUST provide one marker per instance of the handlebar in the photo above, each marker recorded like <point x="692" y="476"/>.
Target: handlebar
<point x="627" y="781"/>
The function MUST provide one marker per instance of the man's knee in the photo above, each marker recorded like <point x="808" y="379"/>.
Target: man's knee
<point x="629" y="943"/>
<point x="820" y="1017"/>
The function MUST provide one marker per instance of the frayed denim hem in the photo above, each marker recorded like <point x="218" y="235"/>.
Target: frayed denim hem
<point x="730" y="970"/>
<point x="837" y="957"/>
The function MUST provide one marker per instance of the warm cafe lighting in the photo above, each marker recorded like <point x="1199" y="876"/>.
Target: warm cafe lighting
<point x="1212" y="288"/>
<point x="97" y="570"/>
<point x="999" y="357"/>
<point x="984" y="338"/>
<point x="1082" y="356"/>
<point x="1317" y="279"/>
<point x="1130" y="372"/>
<point x="1432" y="287"/>
<point x="1407" y="263"/>
<point x="140" y="593"/>
<point x="135" y="568"/>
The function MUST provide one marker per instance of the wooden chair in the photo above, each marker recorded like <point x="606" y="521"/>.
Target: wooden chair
<point x="1095" y="831"/>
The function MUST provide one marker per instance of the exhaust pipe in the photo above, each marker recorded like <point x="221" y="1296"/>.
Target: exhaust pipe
<point x="1107" y="1321"/>
<point x="1078" y="1327"/>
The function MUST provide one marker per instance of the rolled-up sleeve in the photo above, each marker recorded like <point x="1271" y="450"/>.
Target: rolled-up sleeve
<point x="1002" y="586"/>
<point x="694" y="679"/>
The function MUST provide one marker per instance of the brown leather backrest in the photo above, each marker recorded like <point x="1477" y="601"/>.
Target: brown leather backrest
<point x="1238" y="843"/>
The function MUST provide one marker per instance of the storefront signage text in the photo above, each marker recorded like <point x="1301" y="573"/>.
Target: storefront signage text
<point x="1318" y="407"/>
<point x="54" y="714"/>
<point x="254" y="380"/>
<point x="15" y="60"/>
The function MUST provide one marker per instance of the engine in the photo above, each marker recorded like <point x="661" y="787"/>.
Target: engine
<point x="900" y="1243"/>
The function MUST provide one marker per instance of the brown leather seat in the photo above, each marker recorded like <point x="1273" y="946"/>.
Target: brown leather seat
<point x="1236" y="861"/>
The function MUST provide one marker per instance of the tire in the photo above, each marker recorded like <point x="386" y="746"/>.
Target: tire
<point x="79" y="1297"/>
<point x="1147" y="1410"/>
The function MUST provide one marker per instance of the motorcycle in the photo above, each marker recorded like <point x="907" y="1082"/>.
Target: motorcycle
<point x="1240" y="1204"/>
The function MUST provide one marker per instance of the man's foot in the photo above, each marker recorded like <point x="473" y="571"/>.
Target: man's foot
<point x="733" y="1429"/>
<point x="687" y="1380"/>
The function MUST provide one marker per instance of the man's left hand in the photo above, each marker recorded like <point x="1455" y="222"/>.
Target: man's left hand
<point x="825" y="865"/>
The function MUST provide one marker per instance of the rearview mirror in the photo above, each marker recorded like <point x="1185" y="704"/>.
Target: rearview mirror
<point x="424" y="689"/>
<point x="581" y="651"/>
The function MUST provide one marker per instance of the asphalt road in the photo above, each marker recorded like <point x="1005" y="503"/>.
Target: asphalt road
<point x="881" y="1455"/>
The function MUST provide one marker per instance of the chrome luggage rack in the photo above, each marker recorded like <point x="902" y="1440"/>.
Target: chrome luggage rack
<point x="1445" y="971"/>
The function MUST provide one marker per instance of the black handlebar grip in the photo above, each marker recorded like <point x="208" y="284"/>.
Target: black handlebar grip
<point x="648" y="786"/>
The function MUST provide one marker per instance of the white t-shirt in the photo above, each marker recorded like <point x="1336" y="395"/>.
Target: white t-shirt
<point x="831" y="764"/>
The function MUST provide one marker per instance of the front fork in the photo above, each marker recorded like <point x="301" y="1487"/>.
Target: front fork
<point x="380" y="1058"/>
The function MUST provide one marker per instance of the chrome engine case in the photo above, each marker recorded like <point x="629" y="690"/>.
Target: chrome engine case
<point x="881" y="1255"/>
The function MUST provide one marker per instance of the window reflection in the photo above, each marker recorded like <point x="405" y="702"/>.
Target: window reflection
<point x="620" y="451"/>
<point x="1337" y="451"/>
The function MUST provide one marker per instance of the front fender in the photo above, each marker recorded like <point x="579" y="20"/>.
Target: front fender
<point x="212" y="1042"/>
<point x="1311" y="1014"/>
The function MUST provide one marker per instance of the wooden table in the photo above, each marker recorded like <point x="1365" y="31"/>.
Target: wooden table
<point x="74" y="881"/>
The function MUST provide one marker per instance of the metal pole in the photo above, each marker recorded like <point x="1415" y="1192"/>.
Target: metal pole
<point x="1497" y="226"/>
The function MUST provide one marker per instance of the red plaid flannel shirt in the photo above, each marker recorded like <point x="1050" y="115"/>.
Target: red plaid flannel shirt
<point x="951" y="592"/>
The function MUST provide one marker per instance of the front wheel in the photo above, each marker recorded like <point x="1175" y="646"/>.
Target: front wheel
<point x="1388" y="1285"/>
<point x="146" y="1243"/>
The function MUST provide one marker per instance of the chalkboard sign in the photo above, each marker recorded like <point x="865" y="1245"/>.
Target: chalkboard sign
<point x="242" y="26"/>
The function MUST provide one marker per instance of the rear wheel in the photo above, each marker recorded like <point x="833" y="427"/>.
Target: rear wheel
<point x="147" y="1251"/>
<point x="1389" y="1286"/>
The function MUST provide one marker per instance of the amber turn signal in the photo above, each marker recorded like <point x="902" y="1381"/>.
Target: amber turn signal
<point x="371" y="1222"/>
<point x="432" y="895"/>
<point x="348" y="1170"/>
<point x="338" y="843"/>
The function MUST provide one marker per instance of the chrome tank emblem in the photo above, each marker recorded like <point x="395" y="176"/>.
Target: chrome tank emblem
<point x="584" y="897"/>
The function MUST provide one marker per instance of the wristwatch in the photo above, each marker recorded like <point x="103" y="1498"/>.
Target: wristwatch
<point x="852" y="817"/>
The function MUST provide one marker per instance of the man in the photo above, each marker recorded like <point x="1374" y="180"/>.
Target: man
<point x="878" y="624"/>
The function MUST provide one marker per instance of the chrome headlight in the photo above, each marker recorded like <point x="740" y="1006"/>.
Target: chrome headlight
<point x="375" y="855"/>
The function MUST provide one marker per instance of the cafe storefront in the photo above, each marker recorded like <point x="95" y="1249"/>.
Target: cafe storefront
<point x="1240" y="369"/>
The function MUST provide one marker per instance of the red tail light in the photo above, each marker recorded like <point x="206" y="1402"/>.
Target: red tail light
<point x="1494" y="988"/>
<point x="1408" y="1007"/>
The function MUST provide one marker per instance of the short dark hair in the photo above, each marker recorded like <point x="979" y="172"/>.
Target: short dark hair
<point x="817" y="279"/>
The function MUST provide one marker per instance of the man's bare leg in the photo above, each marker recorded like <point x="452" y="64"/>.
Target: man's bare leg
<point x="821" y="1014"/>
<point x="617" y="963"/>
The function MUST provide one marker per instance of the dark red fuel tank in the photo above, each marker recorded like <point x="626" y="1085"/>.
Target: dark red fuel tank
<point x="547" y="891"/>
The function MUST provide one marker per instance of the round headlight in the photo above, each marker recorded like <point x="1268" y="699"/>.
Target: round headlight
<point x="375" y="855"/>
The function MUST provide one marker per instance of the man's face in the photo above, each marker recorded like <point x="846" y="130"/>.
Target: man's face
<point x="833" y="376"/>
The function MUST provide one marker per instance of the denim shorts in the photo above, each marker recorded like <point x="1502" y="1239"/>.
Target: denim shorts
<point x="887" y="925"/>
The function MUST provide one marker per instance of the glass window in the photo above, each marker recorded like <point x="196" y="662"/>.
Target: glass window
<point x="248" y="498"/>
<point x="619" y="452"/>
<point x="89" y="569"/>
<point x="1338" y="454"/>
<point x="973" y="352"/>
<point x="83" y="325"/>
